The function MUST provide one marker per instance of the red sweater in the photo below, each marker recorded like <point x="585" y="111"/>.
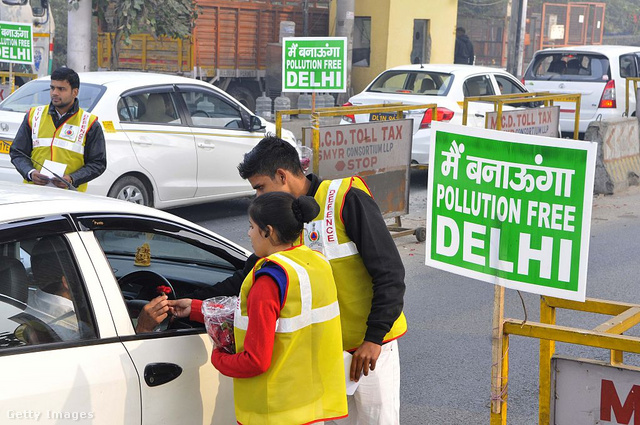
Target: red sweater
<point x="263" y="307"/>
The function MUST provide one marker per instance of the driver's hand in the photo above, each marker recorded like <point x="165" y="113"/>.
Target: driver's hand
<point x="180" y="308"/>
<point x="153" y="314"/>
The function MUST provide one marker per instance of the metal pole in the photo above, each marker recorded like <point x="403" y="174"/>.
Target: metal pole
<point x="522" y="31"/>
<point x="79" y="36"/>
<point x="345" y="13"/>
<point x="305" y="18"/>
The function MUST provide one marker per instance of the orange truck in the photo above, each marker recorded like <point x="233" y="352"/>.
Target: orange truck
<point x="229" y="46"/>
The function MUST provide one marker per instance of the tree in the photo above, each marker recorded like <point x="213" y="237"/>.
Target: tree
<point x="171" y="18"/>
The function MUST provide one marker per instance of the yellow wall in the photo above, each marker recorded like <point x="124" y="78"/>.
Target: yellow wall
<point x="392" y="33"/>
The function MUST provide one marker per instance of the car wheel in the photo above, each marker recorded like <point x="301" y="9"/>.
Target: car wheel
<point x="244" y="96"/>
<point x="131" y="189"/>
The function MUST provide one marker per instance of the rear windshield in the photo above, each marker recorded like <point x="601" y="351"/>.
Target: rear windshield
<point x="36" y="93"/>
<point x="412" y="82"/>
<point x="569" y="67"/>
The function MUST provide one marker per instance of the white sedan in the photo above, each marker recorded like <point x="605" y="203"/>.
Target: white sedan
<point x="443" y="84"/>
<point x="170" y="140"/>
<point x="70" y="291"/>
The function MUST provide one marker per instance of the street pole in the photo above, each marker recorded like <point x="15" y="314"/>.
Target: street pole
<point x="522" y="32"/>
<point x="79" y="36"/>
<point x="305" y="18"/>
<point x="345" y="12"/>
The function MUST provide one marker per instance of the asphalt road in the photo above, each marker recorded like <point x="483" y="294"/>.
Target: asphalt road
<point x="446" y="354"/>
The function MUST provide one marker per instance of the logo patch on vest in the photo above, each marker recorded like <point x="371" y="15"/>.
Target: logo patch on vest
<point x="313" y="236"/>
<point x="69" y="132"/>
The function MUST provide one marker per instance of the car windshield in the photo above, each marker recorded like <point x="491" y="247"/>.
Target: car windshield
<point x="412" y="82"/>
<point x="569" y="66"/>
<point x="37" y="93"/>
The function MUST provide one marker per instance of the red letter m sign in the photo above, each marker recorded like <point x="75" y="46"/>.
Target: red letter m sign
<point x="609" y="401"/>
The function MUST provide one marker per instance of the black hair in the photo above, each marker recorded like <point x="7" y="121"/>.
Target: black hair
<point x="267" y="156"/>
<point x="66" y="74"/>
<point x="284" y="212"/>
<point x="50" y="260"/>
<point x="462" y="30"/>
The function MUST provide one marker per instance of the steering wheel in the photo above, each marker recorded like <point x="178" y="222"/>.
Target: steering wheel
<point x="200" y="111"/>
<point x="149" y="280"/>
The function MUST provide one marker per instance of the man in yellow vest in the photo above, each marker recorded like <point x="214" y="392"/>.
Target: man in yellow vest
<point x="62" y="135"/>
<point x="351" y="232"/>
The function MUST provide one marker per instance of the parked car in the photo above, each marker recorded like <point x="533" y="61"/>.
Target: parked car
<point x="171" y="140"/>
<point x="596" y="72"/>
<point x="444" y="84"/>
<point x="68" y="348"/>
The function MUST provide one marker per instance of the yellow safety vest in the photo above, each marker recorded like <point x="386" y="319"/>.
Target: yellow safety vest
<point x="327" y="234"/>
<point x="305" y="382"/>
<point x="64" y="144"/>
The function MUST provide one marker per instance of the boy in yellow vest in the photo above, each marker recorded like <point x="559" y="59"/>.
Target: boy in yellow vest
<point x="62" y="133"/>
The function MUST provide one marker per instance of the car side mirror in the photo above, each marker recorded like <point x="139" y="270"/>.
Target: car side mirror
<point x="256" y="124"/>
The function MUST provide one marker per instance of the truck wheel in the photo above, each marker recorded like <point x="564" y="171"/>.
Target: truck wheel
<point x="131" y="189"/>
<point x="244" y="96"/>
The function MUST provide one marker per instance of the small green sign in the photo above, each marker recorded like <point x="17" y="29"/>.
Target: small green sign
<point x="312" y="64"/>
<point x="16" y="43"/>
<point x="511" y="209"/>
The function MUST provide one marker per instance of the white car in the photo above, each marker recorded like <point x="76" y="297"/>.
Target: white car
<point x="171" y="141"/>
<point x="443" y="84"/>
<point x="68" y="348"/>
<point x="596" y="72"/>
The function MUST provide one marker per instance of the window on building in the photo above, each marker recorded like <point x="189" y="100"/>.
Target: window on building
<point x="362" y="41"/>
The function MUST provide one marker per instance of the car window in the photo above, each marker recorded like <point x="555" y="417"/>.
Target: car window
<point x="628" y="66"/>
<point x="412" y="82"/>
<point x="208" y="109"/>
<point x="42" y="297"/>
<point x="151" y="107"/>
<point x="507" y="85"/>
<point x="37" y="93"/>
<point x="478" y="86"/>
<point x="569" y="67"/>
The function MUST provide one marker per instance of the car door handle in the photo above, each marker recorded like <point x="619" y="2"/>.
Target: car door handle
<point x="160" y="373"/>
<point x="142" y="142"/>
<point x="480" y="115"/>
<point x="206" y="145"/>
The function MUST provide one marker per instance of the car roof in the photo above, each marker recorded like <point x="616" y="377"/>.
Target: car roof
<point x="448" y="68"/>
<point x="132" y="78"/>
<point x="607" y="50"/>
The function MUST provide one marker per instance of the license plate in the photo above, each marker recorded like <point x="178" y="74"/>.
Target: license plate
<point x="5" y="145"/>
<point x="383" y="116"/>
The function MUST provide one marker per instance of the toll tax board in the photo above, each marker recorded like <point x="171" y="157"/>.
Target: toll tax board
<point x="510" y="209"/>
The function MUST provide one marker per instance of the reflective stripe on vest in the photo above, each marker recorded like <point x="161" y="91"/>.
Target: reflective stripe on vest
<point x="307" y="316"/>
<point x="70" y="145"/>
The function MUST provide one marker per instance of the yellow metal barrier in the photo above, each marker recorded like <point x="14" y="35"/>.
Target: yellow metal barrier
<point x="626" y="92"/>
<point x="547" y="98"/>
<point x="10" y="77"/>
<point x="607" y="335"/>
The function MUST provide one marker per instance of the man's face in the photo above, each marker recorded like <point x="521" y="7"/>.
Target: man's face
<point x="62" y="95"/>
<point x="265" y="184"/>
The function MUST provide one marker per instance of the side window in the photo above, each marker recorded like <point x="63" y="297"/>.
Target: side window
<point x="478" y="86"/>
<point x="42" y="297"/>
<point x="207" y="109"/>
<point x="628" y="66"/>
<point x="148" y="108"/>
<point x="507" y="86"/>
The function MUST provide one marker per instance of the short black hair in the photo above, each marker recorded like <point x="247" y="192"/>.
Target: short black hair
<point x="267" y="156"/>
<point x="284" y="212"/>
<point x="66" y="74"/>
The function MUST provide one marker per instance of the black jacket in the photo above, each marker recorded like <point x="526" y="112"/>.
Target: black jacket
<point x="464" y="50"/>
<point x="95" y="155"/>
<point x="368" y="230"/>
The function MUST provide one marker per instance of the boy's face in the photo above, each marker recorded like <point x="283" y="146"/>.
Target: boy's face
<point x="265" y="184"/>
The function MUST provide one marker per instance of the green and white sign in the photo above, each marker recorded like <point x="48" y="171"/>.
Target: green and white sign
<point x="16" y="43"/>
<point x="314" y="64"/>
<point x="511" y="209"/>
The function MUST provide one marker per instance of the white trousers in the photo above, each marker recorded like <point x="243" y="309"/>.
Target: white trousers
<point x="377" y="398"/>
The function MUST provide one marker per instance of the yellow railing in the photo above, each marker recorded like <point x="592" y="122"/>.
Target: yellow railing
<point x="626" y="92"/>
<point x="607" y="335"/>
<point x="506" y="99"/>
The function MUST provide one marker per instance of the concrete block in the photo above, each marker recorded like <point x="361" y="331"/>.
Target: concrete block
<point x="618" y="161"/>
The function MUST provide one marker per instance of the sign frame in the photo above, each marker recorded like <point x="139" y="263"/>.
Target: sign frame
<point x="19" y="27"/>
<point x="310" y="45"/>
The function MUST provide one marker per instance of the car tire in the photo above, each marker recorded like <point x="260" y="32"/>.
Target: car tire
<point x="131" y="189"/>
<point x="244" y="96"/>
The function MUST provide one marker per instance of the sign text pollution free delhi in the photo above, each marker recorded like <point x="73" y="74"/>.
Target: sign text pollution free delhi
<point x="16" y="43"/>
<point x="511" y="209"/>
<point x="314" y="64"/>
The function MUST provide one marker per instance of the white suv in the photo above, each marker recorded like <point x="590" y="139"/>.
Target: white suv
<point x="596" y="72"/>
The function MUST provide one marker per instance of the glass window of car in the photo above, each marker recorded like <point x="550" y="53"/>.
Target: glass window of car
<point x="412" y="82"/>
<point x="42" y="297"/>
<point x="208" y="109"/>
<point x="628" y="66"/>
<point x="507" y="86"/>
<point x="569" y="67"/>
<point x="149" y="107"/>
<point x="37" y="93"/>
<point x="478" y="86"/>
